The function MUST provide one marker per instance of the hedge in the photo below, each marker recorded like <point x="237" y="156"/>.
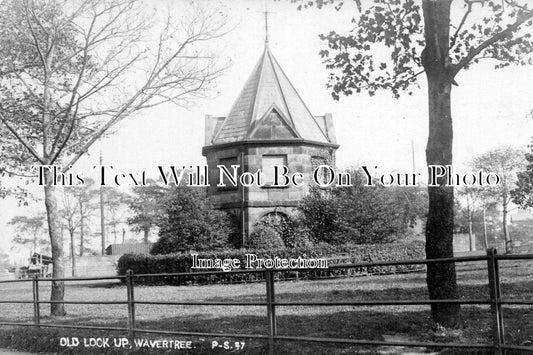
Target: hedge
<point x="179" y="263"/>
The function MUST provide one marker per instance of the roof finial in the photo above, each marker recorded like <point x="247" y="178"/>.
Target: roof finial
<point x="266" y="12"/>
<point x="266" y="27"/>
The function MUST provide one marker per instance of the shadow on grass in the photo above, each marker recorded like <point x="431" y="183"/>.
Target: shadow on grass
<point x="511" y="290"/>
<point x="355" y="324"/>
<point x="371" y="323"/>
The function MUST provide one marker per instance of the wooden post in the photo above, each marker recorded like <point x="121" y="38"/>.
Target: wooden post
<point x="496" y="308"/>
<point x="131" y="303"/>
<point x="271" y="310"/>
<point x="36" y="305"/>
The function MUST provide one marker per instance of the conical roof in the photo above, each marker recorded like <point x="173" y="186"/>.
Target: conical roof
<point x="269" y="107"/>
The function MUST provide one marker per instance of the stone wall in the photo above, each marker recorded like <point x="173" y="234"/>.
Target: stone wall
<point x="249" y="204"/>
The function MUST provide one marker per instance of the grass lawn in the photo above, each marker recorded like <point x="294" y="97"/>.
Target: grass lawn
<point x="375" y="323"/>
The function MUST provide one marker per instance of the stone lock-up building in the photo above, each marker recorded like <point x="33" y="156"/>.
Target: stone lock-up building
<point x="268" y="125"/>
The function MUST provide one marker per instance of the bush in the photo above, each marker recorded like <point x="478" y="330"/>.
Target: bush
<point x="361" y="214"/>
<point x="189" y="221"/>
<point x="264" y="237"/>
<point x="289" y="230"/>
<point x="348" y="253"/>
<point x="299" y="238"/>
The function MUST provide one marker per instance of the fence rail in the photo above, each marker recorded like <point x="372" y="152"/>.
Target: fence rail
<point x="494" y="299"/>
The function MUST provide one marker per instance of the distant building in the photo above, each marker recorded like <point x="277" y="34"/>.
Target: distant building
<point x="523" y="219"/>
<point x="268" y="125"/>
<point x="128" y="248"/>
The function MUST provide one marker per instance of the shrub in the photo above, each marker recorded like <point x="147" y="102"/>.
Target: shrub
<point x="348" y="253"/>
<point x="265" y="237"/>
<point x="361" y="214"/>
<point x="291" y="233"/>
<point x="189" y="221"/>
<point x="297" y="235"/>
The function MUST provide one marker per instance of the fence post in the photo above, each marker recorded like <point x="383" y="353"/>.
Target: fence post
<point x="36" y="305"/>
<point x="271" y="311"/>
<point x="495" y="307"/>
<point x="131" y="303"/>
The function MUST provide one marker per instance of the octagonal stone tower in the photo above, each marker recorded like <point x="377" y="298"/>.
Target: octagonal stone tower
<point x="269" y="124"/>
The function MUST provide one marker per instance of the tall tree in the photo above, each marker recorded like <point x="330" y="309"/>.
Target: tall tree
<point x="395" y="41"/>
<point x="114" y="204"/>
<point x="75" y="208"/>
<point x="522" y="195"/>
<point x="71" y="220"/>
<point x="70" y="71"/>
<point x="5" y="263"/>
<point x="506" y="162"/>
<point x="30" y="231"/>
<point x="84" y="196"/>
<point x="468" y="208"/>
<point x="478" y="213"/>
<point x="147" y="208"/>
<point x="190" y="221"/>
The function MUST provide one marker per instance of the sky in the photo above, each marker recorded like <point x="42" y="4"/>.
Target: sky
<point x="489" y="107"/>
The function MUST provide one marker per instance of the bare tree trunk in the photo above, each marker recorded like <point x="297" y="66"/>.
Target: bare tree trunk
<point x="470" y="219"/>
<point x="72" y="252"/>
<point x="56" y="240"/>
<point x="506" y="236"/>
<point x="82" y="230"/>
<point x="441" y="277"/>
<point x="114" y="231"/>
<point x="34" y="245"/>
<point x="485" y="239"/>
<point x="102" y="218"/>
<point x="146" y="234"/>
<point x="471" y="235"/>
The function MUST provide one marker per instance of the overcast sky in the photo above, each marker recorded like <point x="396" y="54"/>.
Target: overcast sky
<point x="489" y="107"/>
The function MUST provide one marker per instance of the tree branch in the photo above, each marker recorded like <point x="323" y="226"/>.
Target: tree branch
<point x="4" y="170"/>
<point x="34" y="36"/>
<point x="494" y="39"/>
<point x="468" y="11"/>
<point x="20" y="139"/>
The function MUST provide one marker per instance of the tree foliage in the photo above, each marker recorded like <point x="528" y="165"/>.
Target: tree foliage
<point x="506" y="162"/>
<point x="487" y="29"/>
<point x="30" y="231"/>
<point x="522" y="195"/>
<point x="189" y="221"/>
<point x="84" y="196"/>
<point x="265" y="237"/>
<point x="477" y="214"/>
<point x="114" y="203"/>
<point x="391" y="44"/>
<point x="71" y="71"/>
<point x="361" y="214"/>
<point x="146" y="208"/>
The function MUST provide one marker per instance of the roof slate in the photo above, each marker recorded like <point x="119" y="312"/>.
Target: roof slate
<point x="268" y="87"/>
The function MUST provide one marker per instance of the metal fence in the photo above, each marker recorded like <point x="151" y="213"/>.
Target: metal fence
<point x="494" y="299"/>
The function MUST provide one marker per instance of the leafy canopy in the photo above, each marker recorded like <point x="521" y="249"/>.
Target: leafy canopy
<point x="146" y="206"/>
<point x="70" y="71"/>
<point x="522" y="195"/>
<point x="189" y="221"/>
<point x="384" y="49"/>
<point x="360" y="214"/>
<point x="506" y="162"/>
